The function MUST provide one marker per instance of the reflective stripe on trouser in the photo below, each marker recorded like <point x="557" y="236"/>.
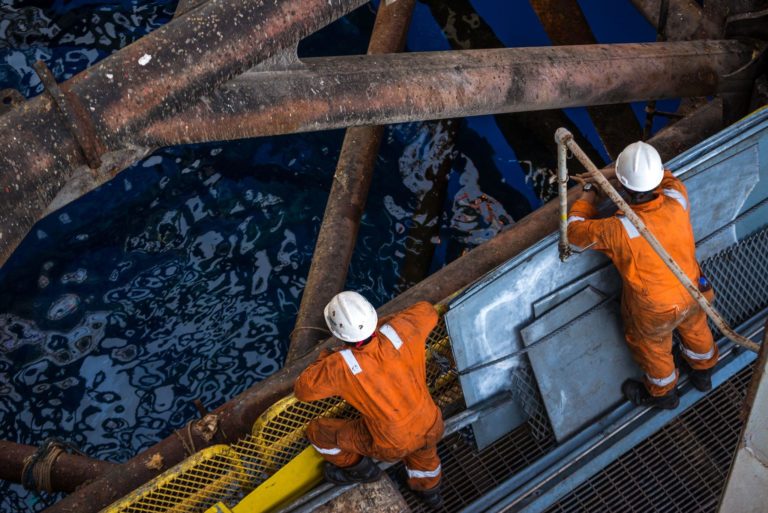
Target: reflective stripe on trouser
<point x="649" y="336"/>
<point x="353" y="441"/>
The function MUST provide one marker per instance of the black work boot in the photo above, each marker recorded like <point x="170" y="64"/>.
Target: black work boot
<point x="638" y="395"/>
<point x="701" y="379"/>
<point x="365" y="471"/>
<point x="432" y="497"/>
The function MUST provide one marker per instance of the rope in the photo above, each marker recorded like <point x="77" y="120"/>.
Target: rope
<point x="316" y="328"/>
<point x="38" y="467"/>
<point x="188" y="447"/>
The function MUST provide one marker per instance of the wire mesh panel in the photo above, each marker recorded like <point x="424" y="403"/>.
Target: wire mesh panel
<point x="739" y="275"/>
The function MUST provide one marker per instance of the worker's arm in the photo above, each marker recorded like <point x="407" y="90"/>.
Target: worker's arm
<point x="318" y="379"/>
<point x="422" y="317"/>
<point x="583" y="229"/>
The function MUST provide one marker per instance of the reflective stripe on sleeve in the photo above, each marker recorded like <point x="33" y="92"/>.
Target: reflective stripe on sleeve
<point x="662" y="382"/>
<point x="572" y="219"/>
<point x="676" y="195"/>
<point x="422" y="474"/>
<point x="697" y="356"/>
<point x="631" y="230"/>
<point x="389" y="332"/>
<point x="330" y="452"/>
<point x="351" y="361"/>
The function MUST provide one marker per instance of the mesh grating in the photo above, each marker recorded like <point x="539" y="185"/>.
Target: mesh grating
<point x="226" y="473"/>
<point x="681" y="468"/>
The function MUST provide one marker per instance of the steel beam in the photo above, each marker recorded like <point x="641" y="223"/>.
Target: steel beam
<point x="334" y="92"/>
<point x="236" y="417"/>
<point x="68" y="472"/>
<point x="154" y="77"/>
<point x="346" y="202"/>
<point x="565" y="24"/>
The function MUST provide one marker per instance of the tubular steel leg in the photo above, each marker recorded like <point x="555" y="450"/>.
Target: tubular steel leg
<point x="346" y="202"/>
<point x="68" y="473"/>
<point x="155" y="77"/>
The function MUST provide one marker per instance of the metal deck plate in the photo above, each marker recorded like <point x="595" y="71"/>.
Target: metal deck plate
<point x="579" y="365"/>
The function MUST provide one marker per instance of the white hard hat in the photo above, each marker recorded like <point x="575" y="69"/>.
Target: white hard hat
<point x="350" y="317"/>
<point x="639" y="167"/>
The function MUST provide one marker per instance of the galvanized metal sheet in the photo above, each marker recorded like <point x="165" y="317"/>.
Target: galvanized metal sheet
<point x="580" y="365"/>
<point x="718" y="207"/>
<point x="485" y="322"/>
<point x="605" y="280"/>
<point x="562" y="314"/>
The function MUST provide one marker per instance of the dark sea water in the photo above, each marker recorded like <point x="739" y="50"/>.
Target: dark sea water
<point x="180" y="279"/>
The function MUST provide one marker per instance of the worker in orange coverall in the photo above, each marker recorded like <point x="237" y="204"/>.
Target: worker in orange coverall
<point x="382" y="373"/>
<point x="654" y="302"/>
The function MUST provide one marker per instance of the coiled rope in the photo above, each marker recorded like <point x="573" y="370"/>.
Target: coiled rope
<point x="36" y="473"/>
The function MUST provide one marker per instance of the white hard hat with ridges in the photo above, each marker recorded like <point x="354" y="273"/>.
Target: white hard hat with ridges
<point x="639" y="167"/>
<point x="350" y="317"/>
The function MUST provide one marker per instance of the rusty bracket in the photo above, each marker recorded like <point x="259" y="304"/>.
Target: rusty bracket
<point x="78" y="121"/>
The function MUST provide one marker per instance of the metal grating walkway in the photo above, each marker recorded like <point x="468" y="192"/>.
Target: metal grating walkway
<point x="682" y="468"/>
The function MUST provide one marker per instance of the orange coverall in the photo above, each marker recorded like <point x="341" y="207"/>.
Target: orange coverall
<point x="386" y="381"/>
<point x="654" y="302"/>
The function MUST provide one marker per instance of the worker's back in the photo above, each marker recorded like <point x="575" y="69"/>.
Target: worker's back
<point x="385" y="380"/>
<point x="646" y="277"/>
<point x="644" y="272"/>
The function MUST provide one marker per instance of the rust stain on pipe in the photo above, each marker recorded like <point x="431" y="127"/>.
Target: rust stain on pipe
<point x="346" y="202"/>
<point x="238" y="414"/>
<point x="365" y="90"/>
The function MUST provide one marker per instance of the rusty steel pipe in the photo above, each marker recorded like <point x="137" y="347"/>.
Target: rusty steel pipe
<point x="238" y="414"/>
<point x="346" y="201"/>
<point x="68" y="472"/>
<point x="158" y="75"/>
<point x="335" y="92"/>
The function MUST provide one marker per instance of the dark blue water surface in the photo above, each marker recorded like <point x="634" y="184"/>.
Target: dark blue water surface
<point x="180" y="279"/>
